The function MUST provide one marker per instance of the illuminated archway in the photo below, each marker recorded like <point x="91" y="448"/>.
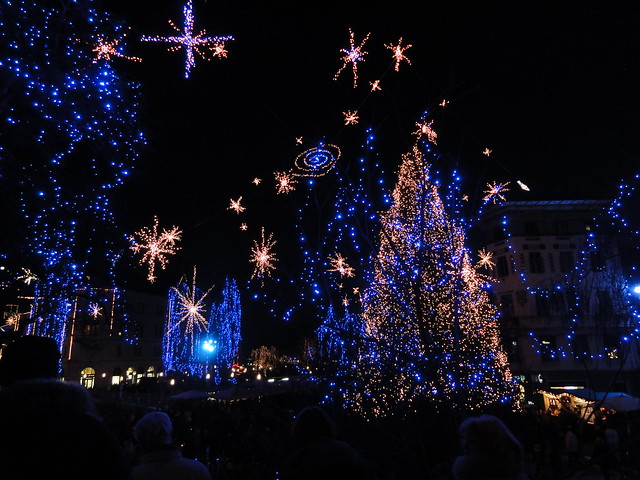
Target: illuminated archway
<point x="88" y="377"/>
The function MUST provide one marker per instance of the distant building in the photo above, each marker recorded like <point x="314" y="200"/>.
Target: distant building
<point x="562" y="296"/>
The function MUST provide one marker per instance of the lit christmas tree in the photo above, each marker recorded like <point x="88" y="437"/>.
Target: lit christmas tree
<point x="225" y="325"/>
<point x="70" y="135"/>
<point x="430" y="332"/>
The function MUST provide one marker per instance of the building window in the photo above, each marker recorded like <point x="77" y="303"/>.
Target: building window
<point x="536" y="262"/>
<point x="557" y="304"/>
<point x="548" y="348"/>
<point x="502" y="267"/>
<point x="542" y="303"/>
<point x="88" y="377"/>
<point x="566" y="261"/>
<point x="506" y="305"/>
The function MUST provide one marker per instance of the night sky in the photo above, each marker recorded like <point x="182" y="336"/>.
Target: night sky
<point x="551" y="90"/>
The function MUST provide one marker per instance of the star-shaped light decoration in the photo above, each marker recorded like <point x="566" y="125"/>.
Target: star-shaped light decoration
<point x="95" y="310"/>
<point x="191" y="42"/>
<point x="235" y="205"/>
<point x="263" y="257"/>
<point x="285" y="182"/>
<point x="256" y="181"/>
<point x="156" y="246"/>
<point x="243" y="227"/>
<point x="398" y="53"/>
<point x="298" y="140"/>
<point x="375" y="85"/>
<point x="485" y="259"/>
<point x="104" y="50"/>
<point x="350" y="118"/>
<point x="487" y="152"/>
<point x="495" y="191"/>
<point x="190" y="308"/>
<point x="444" y="103"/>
<point x="424" y="128"/>
<point x="27" y="276"/>
<point x="352" y="56"/>
<point x="339" y="264"/>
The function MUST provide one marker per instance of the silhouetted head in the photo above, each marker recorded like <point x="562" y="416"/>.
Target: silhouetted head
<point x="153" y="430"/>
<point x="29" y="357"/>
<point x="312" y="424"/>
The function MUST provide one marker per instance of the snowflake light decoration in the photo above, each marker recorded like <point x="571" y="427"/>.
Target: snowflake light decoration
<point x="191" y="42"/>
<point x="156" y="246"/>
<point x="375" y="85"/>
<point x="485" y="259"/>
<point x="487" y="152"/>
<point x="339" y="264"/>
<point x="350" y="118"/>
<point x="243" y="227"/>
<point x="495" y="191"/>
<point x="235" y="205"/>
<point x="424" y="128"/>
<point x="104" y="50"/>
<point x="256" y="181"/>
<point x="285" y="182"/>
<point x="398" y="53"/>
<point x="352" y="56"/>
<point x="95" y="310"/>
<point x="263" y="257"/>
<point x="27" y="276"/>
<point x="190" y="308"/>
<point x="298" y="140"/>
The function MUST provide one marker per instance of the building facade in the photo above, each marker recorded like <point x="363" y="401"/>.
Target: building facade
<point x="565" y="309"/>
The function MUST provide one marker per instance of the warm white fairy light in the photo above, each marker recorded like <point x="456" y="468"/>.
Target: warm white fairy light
<point x="350" y="118"/>
<point x="485" y="259"/>
<point x="495" y="191"/>
<point x="424" y="128"/>
<point x="353" y="55"/>
<point x="375" y="85"/>
<point x="235" y="205"/>
<point x="191" y="42"/>
<point x="190" y="308"/>
<point x="523" y="186"/>
<point x="156" y="246"/>
<point x="339" y="264"/>
<point x="27" y="276"/>
<point x="104" y="50"/>
<point x="285" y="182"/>
<point x="95" y="310"/>
<point x="263" y="257"/>
<point x="398" y="53"/>
<point x="487" y="152"/>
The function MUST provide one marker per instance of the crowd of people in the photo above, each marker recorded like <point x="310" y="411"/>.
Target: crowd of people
<point x="59" y="429"/>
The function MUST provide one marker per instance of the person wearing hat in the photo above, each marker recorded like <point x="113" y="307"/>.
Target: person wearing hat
<point x="159" y="457"/>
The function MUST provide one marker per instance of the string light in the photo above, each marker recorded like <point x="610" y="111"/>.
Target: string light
<point x="155" y="245"/>
<point x="398" y="53"/>
<point x="191" y="42"/>
<point x="352" y="56"/>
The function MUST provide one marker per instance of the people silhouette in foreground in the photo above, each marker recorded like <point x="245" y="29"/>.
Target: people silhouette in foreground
<point x="159" y="457"/>
<point x="50" y="428"/>
<point x="489" y="451"/>
<point x="320" y="454"/>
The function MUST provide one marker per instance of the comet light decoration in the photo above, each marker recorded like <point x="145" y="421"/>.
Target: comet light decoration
<point x="495" y="192"/>
<point x="375" y="86"/>
<point x="104" y="50"/>
<point x="431" y="334"/>
<point x="70" y="137"/>
<point x="156" y="246"/>
<point x="191" y="42"/>
<point x="350" y="118"/>
<point x="485" y="259"/>
<point x="263" y="257"/>
<point x="352" y="56"/>
<point x="285" y="182"/>
<point x="186" y="328"/>
<point x="425" y="129"/>
<point x="317" y="161"/>
<point x="339" y="264"/>
<point x="398" y="53"/>
<point x="235" y="206"/>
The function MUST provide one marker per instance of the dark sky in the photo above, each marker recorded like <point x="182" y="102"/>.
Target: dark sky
<point x="552" y="90"/>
